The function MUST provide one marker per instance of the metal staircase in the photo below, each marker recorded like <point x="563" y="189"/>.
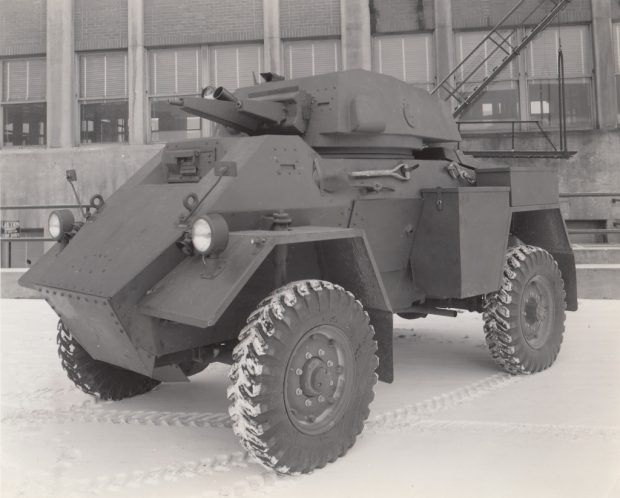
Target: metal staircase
<point x="500" y="36"/>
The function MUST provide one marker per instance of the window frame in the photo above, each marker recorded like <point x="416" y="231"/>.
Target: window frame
<point x="431" y="62"/>
<point x="202" y="76"/>
<point x="285" y="43"/>
<point x="4" y="102"/>
<point x="99" y="100"/>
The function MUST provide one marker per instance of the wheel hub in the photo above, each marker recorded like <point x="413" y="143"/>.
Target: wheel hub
<point x="316" y="378"/>
<point x="537" y="311"/>
<point x="319" y="379"/>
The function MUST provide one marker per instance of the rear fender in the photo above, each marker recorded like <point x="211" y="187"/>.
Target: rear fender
<point x="546" y="229"/>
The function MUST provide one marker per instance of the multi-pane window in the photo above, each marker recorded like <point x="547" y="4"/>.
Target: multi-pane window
<point x="542" y="76"/>
<point x="407" y="57"/>
<point x="23" y="102"/>
<point x="103" y="97"/>
<point x="500" y="101"/>
<point x="235" y="66"/>
<point x="173" y="73"/>
<point x="311" y="57"/>
<point x="616" y="27"/>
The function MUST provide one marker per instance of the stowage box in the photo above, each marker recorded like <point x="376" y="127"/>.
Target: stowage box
<point x="461" y="240"/>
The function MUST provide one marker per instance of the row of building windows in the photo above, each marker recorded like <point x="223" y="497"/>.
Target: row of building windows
<point x="526" y="89"/>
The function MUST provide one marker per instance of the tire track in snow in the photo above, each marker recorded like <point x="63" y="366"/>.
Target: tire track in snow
<point x="113" y="416"/>
<point x="411" y="414"/>
<point x="573" y="432"/>
<point x="405" y="417"/>
<point x="42" y="393"/>
<point x="158" y="475"/>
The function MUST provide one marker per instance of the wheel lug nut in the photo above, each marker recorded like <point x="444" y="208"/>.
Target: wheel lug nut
<point x="331" y="382"/>
<point x="321" y="399"/>
<point x="321" y="352"/>
<point x="308" y="356"/>
<point x="298" y="371"/>
<point x="298" y="392"/>
<point x="330" y="363"/>
<point x="308" y="402"/>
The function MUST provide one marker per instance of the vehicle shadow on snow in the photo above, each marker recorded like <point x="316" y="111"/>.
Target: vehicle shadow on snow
<point x="426" y="356"/>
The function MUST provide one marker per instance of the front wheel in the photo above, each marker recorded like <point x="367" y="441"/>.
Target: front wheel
<point x="302" y="376"/>
<point x="98" y="378"/>
<point x="524" y="320"/>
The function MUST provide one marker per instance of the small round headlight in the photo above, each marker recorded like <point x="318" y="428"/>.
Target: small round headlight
<point x="59" y="223"/>
<point x="210" y="234"/>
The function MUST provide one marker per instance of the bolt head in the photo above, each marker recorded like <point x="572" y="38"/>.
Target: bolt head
<point x="330" y="363"/>
<point x="321" y="352"/>
<point x="298" y="371"/>
<point x="308" y="402"/>
<point x="321" y="399"/>
<point x="298" y="391"/>
<point x="308" y="356"/>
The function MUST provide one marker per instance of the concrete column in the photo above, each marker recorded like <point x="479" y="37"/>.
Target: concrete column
<point x="604" y="68"/>
<point x="1" y="110"/>
<point x="444" y="39"/>
<point x="271" y="33"/>
<point x="60" y="78"/>
<point x="136" y="72"/>
<point x="355" y="34"/>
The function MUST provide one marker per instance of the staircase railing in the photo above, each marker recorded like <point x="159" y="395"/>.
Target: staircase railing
<point x="510" y="21"/>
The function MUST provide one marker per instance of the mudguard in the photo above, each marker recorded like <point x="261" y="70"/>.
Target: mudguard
<point x="198" y="291"/>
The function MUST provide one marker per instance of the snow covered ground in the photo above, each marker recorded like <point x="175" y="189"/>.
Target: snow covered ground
<point x="450" y="425"/>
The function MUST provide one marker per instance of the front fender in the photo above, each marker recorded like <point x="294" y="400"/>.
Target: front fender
<point x="198" y="291"/>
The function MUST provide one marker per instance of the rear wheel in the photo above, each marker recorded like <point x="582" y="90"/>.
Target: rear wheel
<point x="98" y="378"/>
<point x="302" y="376"/>
<point x="524" y="320"/>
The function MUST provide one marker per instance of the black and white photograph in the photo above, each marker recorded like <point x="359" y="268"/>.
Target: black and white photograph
<point x="338" y="248"/>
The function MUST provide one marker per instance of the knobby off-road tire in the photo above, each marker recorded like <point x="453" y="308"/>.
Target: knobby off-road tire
<point x="97" y="378"/>
<point x="302" y="376"/>
<point x="524" y="320"/>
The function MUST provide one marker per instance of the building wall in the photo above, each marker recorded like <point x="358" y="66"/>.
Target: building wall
<point x="391" y="16"/>
<point x="36" y="175"/>
<point x="615" y="10"/>
<point x="182" y="22"/>
<point x="304" y="19"/>
<point x="487" y="13"/>
<point x="100" y="25"/>
<point x="22" y="27"/>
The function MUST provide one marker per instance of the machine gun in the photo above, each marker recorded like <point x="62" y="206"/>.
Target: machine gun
<point x="251" y="116"/>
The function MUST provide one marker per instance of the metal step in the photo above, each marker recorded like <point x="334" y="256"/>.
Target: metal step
<point x="598" y="281"/>
<point x="597" y="253"/>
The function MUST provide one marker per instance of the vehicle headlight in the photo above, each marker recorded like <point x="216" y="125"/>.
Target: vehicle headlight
<point x="60" y="223"/>
<point x="210" y="234"/>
